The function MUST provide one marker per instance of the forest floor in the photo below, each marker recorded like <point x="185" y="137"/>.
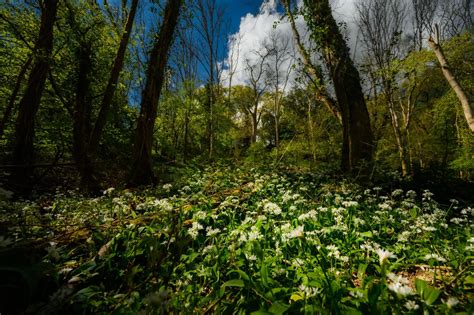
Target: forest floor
<point x="238" y="240"/>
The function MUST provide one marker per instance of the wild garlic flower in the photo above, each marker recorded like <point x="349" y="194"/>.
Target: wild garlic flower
<point x="411" y="305"/>
<point x="108" y="191"/>
<point x="434" y="257"/>
<point x="411" y="194"/>
<point x="310" y="215"/>
<point x="385" y="206"/>
<point x="212" y="232"/>
<point x="271" y="207"/>
<point x="163" y="204"/>
<point x="399" y="285"/>
<point x="357" y="294"/>
<point x="397" y="192"/>
<point x="309" y="292"/>
<point x="298" y="232"/>
<point x="194" y="230"/>
<point x="427" y="195"/>
<point x="451" y="302"/>
<point x="350" y="203"/>
<point x="167" y="187"/>
<point x="200" y="215"/>
<point x="384" y="255"/>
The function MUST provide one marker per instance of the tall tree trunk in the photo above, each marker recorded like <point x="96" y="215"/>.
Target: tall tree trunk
<point x="254" y="116"/>
<point x="28" y="107"/>
<point x="398" y="131"/>
<point x="82" y="119"/>
<point x="11" y="102"/>
<point x="142" y="170"/>
<point x="466" y="107"/>
<point x="112" y="83"/>
<point x="357" y="134"/>
<point x="277" y="131"/>
<point x="311" y="133"/>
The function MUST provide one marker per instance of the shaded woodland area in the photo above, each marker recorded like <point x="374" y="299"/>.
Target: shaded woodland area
<point x="83" y="82"/>
<point x="122" y="125"/>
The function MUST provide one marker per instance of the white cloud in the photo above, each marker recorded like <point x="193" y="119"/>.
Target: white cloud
<point x="255" y="29"/>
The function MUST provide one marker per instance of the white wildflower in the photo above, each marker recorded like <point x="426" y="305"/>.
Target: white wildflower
<point x="434" y="257"/>
<point x="350" y="203"/>
<point x="251" y="257"/>
<point x="163" y="204"/>
<point x="451" y="302"/>
<point x="298" y="232"/>
<point x="356" y="294"/>
<point x="385" y="206"/>
<point x="167" y="187"/>
<point x="411" y="305"/>
<point x="108" y="191"/>
<point x="212" y="232"/>
<point x="271" y="207"/>
<point x="411" y="194"/>
<point x="399" y="285"/>
<point x="309" y="292"/>
<point x="397" y="192"/>
<point x="384" y="255"/>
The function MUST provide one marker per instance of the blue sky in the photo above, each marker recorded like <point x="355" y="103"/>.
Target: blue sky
<point x="239" y="8"/>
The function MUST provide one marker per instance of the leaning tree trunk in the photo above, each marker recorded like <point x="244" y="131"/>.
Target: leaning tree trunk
<point x="466" y="107"/>
<point x="23" y="148"/>
<point x="142" y="170"/>
<point x="357" y="135"/>
<point x="11" y="102"/>
<point x="313" y="71"/>
<point x="112" y="83"/>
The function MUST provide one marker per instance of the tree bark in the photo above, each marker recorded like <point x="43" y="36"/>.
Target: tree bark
<point x="112" y="83"/>
<point x="141" y="169"/>
<point x="357" y="146"/>
<point x="466" y="107"/>
<point x="82" y="119"/>
<point x="23" y="151"/>
<point x="11" y="103"/>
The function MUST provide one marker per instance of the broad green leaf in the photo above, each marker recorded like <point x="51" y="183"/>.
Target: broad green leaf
<point x="234" y="283"/>
<point x="264" y="275"/>
<point x="278" y="308"/>
<point x="295" y="297"/>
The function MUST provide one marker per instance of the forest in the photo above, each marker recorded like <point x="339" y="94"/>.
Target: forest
<point x="236" y="157"/>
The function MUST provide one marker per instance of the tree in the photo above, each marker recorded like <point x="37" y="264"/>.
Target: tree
<point x="23" y="151"/>
<point x="113" y="79"/>
<point x="357" y="147"/>
<point x="434" y="44"/>
<point x="256" y="70"/>
<point x="210" y="26"/>
<point x="279" y="67"/>
<point x="381" y="23"/>
<point x="141" y="170"/>
<point x="424" y="13"/>
<point x="11" y="102"/>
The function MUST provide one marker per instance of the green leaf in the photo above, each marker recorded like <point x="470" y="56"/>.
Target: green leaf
<point x="368" y="234"/>
<point x="361" y="270"/>
<point x="427" y="293"/>
<point x="234" y="283"/>
<point x="264" y="275"/>
<point x="430" y="295"/>
<point x="242" y="274"/>
<point x="297" y="296"/>
<point x="420" y="286"/>
<point x="278" y="308"/>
